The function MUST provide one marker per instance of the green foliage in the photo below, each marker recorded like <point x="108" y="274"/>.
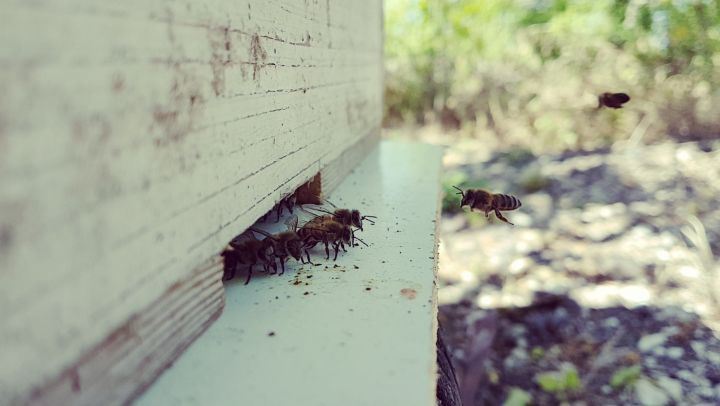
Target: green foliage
<point x="518" y="397"/>
<point x="625" y="376"/>
<point x="528" y="72"/>
<point x="537" y="353"/>
<point x="559" y="382"/>
<point x="451" y="198"/>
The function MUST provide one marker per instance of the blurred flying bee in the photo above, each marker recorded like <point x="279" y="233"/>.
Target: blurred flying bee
<point x="247" y="250"/>
<point x="285" y="244"/>
<point x="329" y="232"/>
<point x="485" y="201"/>
<point x="612" y="100"/>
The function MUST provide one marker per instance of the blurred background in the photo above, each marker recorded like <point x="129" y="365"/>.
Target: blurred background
<point x="607" y="289"/>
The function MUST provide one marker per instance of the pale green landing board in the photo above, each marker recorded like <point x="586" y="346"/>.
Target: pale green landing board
<point x="359" y="331"/>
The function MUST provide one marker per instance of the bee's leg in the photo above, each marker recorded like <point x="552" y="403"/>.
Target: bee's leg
<point x="500" y="216"/>
<point x="228" y="273"/>
<point x="336" y="246"/>
<point x="278" y="211"/>
<point x="327" y="251"/>
<point x="308" y="257"/>
<point x="487" y="213"/>
<point x="289" y="205"/>
<point x="249" y="274"/>
<point x="282" y="265"/>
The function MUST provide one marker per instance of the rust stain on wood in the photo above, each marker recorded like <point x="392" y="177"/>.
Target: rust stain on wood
<point x="408" y="293"/>
<point x="258" y="56"/>
<point x="221" y="45"/>
<point x="176" y="117"/>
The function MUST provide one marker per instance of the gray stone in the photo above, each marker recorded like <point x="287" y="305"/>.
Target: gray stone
<point x="611" y="322"/>
<point x="650" y="341"/>
<point x="675" y="352"/>
<point x="650" y="395"/>
<point x="672" y="387"/>
<point x="687" y="376"/>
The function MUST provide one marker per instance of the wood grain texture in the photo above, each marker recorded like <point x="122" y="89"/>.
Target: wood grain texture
<point x="138" y="137"/>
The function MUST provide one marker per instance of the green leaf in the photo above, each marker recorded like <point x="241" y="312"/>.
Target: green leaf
<point x="559" y="381"/>
<point x="518" y="397"/>
<point x="549" y="381"/>
<point x="625" y="376"/>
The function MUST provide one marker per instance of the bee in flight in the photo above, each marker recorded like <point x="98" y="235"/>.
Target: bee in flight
<point x="485" y="201"/>
<point x="613" y="100"/>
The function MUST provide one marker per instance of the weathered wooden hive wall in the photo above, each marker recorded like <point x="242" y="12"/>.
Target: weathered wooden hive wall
<point x="136" y="139"/>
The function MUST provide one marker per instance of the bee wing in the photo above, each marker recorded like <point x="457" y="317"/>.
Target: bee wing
<point x="259" y="231"/>
<point x="292" y="222"/>
<point x="241" y="238"/>
<point x="330" y="203"/>
<point x="308" y="210"/>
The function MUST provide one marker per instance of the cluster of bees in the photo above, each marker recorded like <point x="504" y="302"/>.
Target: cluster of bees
<point x="482" y="200"/>
<point x="334" y="229"/>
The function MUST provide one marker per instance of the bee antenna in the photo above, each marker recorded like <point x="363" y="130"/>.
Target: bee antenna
<point x="369" y="219"/>
<point x="358" y="238"/>
<point x="330" y="203"/>
<point x="460" y="191"/>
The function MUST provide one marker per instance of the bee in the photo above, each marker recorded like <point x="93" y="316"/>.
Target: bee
<point x="249" y="251"/>
<point x="308" y="193"/>
<point x="285" y="244"/>
<point x="612" y="100"/>
<point x="348" y="217"/>
<point x="329" y="232"/>
<point x="487" y="202"/>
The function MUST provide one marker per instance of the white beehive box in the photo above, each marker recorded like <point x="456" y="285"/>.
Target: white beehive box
<point x="136" y="139"/>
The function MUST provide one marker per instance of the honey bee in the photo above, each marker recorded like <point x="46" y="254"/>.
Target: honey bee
<point x="487" y="202"/>
<point x="329" y="232"/>
<point x="249" y="251"/>
<point x="308" y="193"/>
<point x="612" y="100"/>
<point x="349" y="217"/>
<point x="285" y="244"/>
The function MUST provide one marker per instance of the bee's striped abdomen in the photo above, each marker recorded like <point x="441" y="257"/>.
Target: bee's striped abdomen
<point x="506" y="202"/>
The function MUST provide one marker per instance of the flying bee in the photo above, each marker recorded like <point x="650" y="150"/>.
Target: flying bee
<point x="285" y="244"/>
<point x="483" y="200"/>
<point x="329" y="232"/>
<point x="249" y="251"/>
<point x="612" y="100"/>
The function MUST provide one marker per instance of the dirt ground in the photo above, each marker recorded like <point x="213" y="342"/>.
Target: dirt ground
<point x="605" y="292"/>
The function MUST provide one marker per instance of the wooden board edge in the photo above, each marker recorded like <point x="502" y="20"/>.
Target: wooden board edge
<point x="436" y="265"/>
<point x="332" y="174"/>
<point x="99" y="376"/>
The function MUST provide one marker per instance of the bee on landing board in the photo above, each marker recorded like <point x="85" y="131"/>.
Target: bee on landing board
<point x="347" y="217"/>
<point x="247" y="250"/>
<point x="613" y="100"/>
<point x="326" y="230"/>
<point x="485" y="201"/>
<point x="285" y="244"/>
